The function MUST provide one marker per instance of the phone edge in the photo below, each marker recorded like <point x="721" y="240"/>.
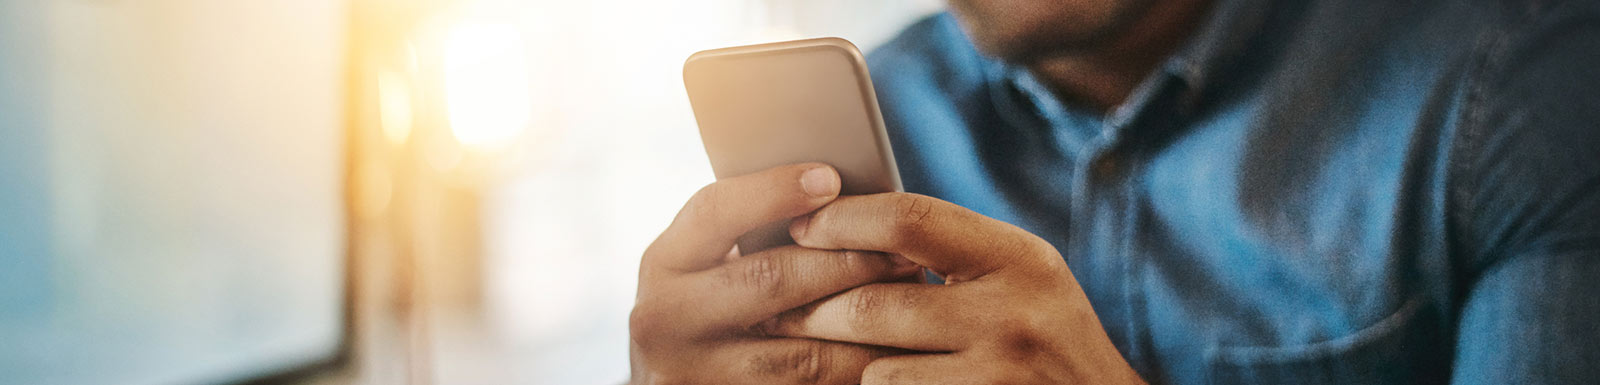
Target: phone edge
<point x="858" y="63"/>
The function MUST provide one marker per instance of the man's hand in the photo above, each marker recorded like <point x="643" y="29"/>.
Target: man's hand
<point x="698" y="299"/>
<point x="1010" y="311"/>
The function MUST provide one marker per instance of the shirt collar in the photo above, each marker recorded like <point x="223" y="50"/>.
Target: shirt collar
<point x="1222" y="38"/>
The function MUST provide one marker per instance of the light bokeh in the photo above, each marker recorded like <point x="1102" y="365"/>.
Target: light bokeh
<point x="486" y="84"/>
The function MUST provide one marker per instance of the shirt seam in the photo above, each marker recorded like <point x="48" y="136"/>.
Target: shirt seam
<point x="1491" y="59"/>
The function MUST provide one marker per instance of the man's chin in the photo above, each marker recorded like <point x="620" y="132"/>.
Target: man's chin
<point x="1021" y="41"/>
<point x="1013" y="49"/>
<point x="992" y="41"/>
<point x="1005" y="49"/>
<point x="1017" y="47"/>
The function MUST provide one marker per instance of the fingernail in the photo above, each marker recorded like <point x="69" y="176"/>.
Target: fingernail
<point x="820" y="182"/>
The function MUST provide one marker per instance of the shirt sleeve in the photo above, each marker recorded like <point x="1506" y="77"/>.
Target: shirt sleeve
<point x="1527" y="193"/>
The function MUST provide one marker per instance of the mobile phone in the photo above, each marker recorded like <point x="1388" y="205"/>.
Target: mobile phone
<point x="767" y="105"/>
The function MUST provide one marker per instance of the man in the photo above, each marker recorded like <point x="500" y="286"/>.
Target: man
<point x="1175" y="191"/>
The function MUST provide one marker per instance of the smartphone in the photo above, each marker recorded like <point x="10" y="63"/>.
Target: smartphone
<point x="767" y="105"/>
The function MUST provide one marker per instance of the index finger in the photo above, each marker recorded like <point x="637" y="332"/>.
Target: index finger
<point x="947" y="238"/>
<point x="707" y="226"/>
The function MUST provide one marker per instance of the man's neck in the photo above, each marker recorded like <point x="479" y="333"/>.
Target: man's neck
<point x="1102" y="78"/>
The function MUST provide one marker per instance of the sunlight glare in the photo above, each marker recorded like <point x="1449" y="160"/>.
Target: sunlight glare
<point x="486" y="84"/>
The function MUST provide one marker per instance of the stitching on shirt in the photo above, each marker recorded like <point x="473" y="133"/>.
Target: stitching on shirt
<point x="1388" y="328"/>
<point x="1491" y="58"/>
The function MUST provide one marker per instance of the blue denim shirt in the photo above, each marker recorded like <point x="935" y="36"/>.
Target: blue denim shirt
<point x="1312" y="192"/>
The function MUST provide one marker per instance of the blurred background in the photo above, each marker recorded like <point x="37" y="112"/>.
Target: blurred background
<point x="366" y="191"/>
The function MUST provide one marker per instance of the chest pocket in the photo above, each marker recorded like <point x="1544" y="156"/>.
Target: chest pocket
<point x="1402" y="348"/>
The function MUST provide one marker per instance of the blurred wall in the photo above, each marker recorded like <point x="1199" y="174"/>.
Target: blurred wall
<point x="170" y="189"/>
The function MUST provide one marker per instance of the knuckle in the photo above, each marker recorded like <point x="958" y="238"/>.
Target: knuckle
<point x="702" y="203"/>
<point x="1032" y="244"/>
<point x="1043" y="258"/>
<point x="1020" y="344"/>
<point x="1018" y="248"/>
<point x="881" y="372"/>
<point x="802" y="365"/>
<point x="763" y="275"/>
<point x="1019" y="338"/>
<point x="644" y="327"/>
<point x="858" y="261"/>
<point x="1024" y="252"/>
<point x="866" y="304"/>
<point x="810" y="365"/>
<point x="912" y="214"/>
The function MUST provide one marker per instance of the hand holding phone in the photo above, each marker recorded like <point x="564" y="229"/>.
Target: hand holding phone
<point x="769" y="114"/>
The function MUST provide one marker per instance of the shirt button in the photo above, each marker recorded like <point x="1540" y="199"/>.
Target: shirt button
<point x="1105" y="167"/>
